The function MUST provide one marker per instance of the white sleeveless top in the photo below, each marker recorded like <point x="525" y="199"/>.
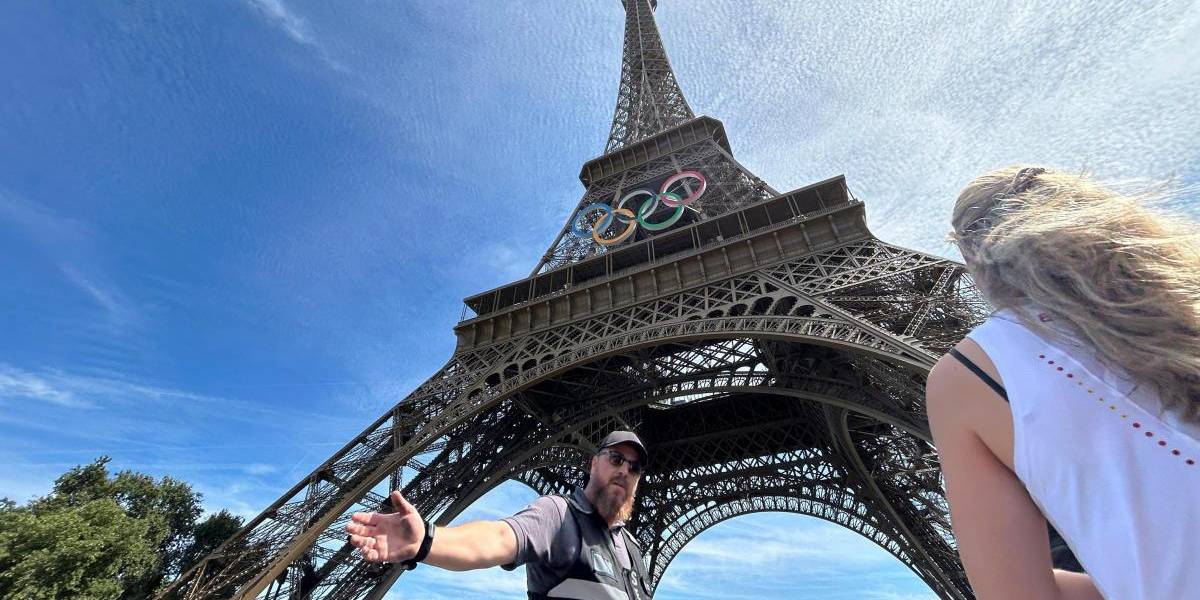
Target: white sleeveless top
<point x="1119" y="481"/>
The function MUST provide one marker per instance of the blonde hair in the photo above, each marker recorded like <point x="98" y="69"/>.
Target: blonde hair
<point x="1123" y="277"/>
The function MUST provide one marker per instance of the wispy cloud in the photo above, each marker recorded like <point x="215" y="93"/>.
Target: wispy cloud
<point x="79" y="253"/>
<point x="46" y="226"/>
<point x="782" y="546"/>
<point x="112" y="391"/>
<point x="18" y="384"/>
<point x="53" y="419"/>
<point x="259" y="469"/>
<point x="504" y="262"/>
<point x="792" y="556"/>
<point x="827" y="87"/>
<point x="279" y="15"/>
<point x="83" y="390"/>
<point x="121" y="312"/>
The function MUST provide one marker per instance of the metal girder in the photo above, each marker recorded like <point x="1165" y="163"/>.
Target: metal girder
<point x="670" y="365"/>
<point x="667" y="353"/>
<point x="793" y="384"/>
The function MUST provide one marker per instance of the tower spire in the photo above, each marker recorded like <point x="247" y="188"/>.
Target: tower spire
<point x="649" y="99"/>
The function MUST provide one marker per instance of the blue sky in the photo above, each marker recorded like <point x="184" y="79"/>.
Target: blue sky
<point x="233" y="233"/>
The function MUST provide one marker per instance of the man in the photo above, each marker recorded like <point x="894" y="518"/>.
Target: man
<point x="574" y="547"/>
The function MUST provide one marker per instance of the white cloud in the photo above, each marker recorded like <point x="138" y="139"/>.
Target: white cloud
<point x="259" y="469"/>
<point x="48" y="228"/>
<point x="503" y="262"/>
<point x="18" y="384"/>
<point x="280" y="16"/>
<point x="120" y="311"/>
<point x="778" y="547"/>
<point x="790" y="556"/>
<point x="81" y="390"/>
<point x="911" y="101"/>
<point x="54" y="420"/>
<point x="74" y="389"/>
<point x="241" y="497"/>
<point x="79" y="254"/>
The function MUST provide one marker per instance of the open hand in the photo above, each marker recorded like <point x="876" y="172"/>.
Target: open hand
<point x="388" y="537"/>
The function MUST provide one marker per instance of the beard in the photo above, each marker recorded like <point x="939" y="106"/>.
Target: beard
<point x="617" y="501"/>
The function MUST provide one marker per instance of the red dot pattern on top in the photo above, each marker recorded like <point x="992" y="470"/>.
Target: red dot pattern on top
<point x="1136" y="424"/>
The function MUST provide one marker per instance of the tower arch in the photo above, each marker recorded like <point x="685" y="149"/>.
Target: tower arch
<point x="766" y="346"/>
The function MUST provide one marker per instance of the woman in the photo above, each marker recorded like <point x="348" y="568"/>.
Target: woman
<point x="1078" y="400"/>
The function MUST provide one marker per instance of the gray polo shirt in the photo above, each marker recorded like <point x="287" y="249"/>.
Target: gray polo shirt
<point x="547" y="554"/>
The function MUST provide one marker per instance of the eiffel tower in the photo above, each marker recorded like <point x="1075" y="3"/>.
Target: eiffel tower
<point x="769" y="350"/>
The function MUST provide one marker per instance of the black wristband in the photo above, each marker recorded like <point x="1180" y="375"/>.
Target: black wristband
<point x="423" y="551"/>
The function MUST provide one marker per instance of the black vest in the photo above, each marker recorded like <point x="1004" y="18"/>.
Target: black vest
<point x="596" y="574"/>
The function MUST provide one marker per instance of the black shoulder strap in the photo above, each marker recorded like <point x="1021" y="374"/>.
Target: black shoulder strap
<point x="632" y="549"/>
<point x="974" y="368"/>
<point x="639" y="566"/>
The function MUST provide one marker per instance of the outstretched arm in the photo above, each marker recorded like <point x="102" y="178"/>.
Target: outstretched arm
<point x="396" y="537"/>
<point x="1002" y="536"/>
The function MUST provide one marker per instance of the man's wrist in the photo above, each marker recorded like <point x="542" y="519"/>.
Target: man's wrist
<point x="423" y="550"/>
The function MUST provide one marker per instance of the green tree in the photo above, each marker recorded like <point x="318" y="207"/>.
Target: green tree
<point x="209" y="534"/>
<point x="87" y="551"/>
<point x="96" y="536"/>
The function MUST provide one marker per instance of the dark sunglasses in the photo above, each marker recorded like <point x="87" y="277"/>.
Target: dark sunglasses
<point x="617" y="459"/>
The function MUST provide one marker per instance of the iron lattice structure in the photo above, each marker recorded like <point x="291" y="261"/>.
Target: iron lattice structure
<point x="770" y="351"/>
<point x="649" y="99"/>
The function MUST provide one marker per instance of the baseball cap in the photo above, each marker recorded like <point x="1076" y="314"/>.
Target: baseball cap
<point x="626" y="437"/>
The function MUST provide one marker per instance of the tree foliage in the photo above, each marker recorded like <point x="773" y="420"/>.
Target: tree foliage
<point x="209" y="534"/>
<point x="86" y="551"/>
<point x="97" y="536"/>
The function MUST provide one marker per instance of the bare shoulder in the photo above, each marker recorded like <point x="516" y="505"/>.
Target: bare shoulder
<point x="956" y="398"/>
<point x="950" y="378"/>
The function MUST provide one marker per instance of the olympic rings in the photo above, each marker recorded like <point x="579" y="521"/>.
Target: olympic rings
<point x="582" y="226"/>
